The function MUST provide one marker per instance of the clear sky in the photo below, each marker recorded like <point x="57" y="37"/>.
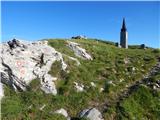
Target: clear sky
<point x="103" y="20"/>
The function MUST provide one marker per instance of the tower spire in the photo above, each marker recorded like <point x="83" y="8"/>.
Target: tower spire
<point x="124" y="26"/>
<point x="124" y="35"/>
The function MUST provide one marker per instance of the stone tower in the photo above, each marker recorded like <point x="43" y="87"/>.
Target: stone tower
<point x="124" y="36"/>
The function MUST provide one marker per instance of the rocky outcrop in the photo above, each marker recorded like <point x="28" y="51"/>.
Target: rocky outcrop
<point x="21" y="62"/>
<point x="80" y="52"/>
<point x="91" y="114"/>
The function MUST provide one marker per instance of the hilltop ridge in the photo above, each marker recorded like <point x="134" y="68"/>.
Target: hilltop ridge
<point x="96" y="74"/>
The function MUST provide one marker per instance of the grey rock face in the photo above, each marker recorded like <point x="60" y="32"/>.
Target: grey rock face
<point x="91" y="114"/>
<point x="21" y="62"/>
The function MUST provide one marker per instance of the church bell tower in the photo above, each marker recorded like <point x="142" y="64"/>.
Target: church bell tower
<point x="124" y="35"/>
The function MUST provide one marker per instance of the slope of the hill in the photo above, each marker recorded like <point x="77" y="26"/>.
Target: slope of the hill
<point x="90" y="83"/>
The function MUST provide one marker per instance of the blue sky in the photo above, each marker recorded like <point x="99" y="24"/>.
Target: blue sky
<point x="38" y="20"/>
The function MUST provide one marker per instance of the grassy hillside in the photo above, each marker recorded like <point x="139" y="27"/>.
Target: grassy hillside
<point x="143" y="103"/>
<point x="121" y="66"/>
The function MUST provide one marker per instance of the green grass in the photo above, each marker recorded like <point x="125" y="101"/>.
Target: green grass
<point x="143" y="104"/>
<point x="107" y="65"/>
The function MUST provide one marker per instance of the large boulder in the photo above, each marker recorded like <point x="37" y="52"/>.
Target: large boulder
<point x="91" y="114"/>
<point x="21" y="62"/>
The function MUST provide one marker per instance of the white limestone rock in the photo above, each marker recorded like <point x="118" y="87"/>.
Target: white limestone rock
<point x="63" y="112"/>
<point x="93" y="84"/>
<point x="111" y="83"/>
<point x="126" y="60"/>
<point x="91" y="114"/>
<point x="1" y="91"/>
<point x="101" y="89"/>
<point x="29" y="107"/>
<point x="127" y="86"/>
<point x="133" y="69"/>
<point x="121" y="80"/>
<point x="79" y="87"/>
<point x="42" y="107"/>
<point x="21" y="62"/>
<point x="80" y="52"/>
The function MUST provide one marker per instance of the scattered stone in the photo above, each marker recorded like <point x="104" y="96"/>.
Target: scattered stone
<point x="127" y="86"/>
<point x="79" y="87"/>
<point x="126" y="60"/>
<point x="41" y="108"/>
<point x="154" y="87"/>
<point x="121" y="80"/>
<point x="158" y="82"/>
<point x="101" y="89"/>
<point x="80" y="52"/>
<point x="157" y="85"/>
<point x="93" y="84"/>
<point x="91" y="114"/>
<point x="30" y="107"/>
<point x="111" y="82"/>
<point x="133" y="69"/>
<point x="63" y="112"/>
<point x="142" y="70"/>
<point x="144" y="85"/>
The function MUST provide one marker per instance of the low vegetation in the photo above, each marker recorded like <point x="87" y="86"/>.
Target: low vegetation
<point x="112" y="68"/>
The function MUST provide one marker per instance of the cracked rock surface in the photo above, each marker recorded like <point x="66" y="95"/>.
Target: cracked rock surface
<point x="21" y="62"/>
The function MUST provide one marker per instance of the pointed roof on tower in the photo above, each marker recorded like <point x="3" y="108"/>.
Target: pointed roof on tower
<point x="123" y="26"/>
